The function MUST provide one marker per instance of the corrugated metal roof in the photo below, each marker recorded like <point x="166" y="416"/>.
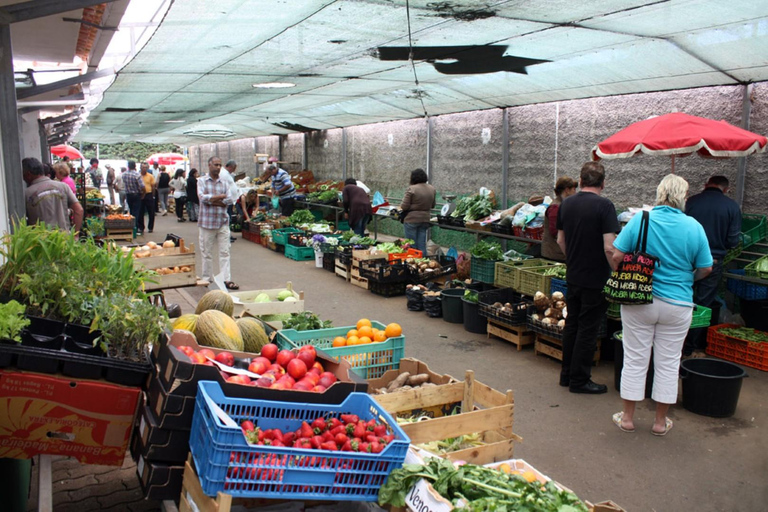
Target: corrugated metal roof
<point x="202" y="62"/>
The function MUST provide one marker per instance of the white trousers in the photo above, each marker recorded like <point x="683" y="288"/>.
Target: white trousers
<point x="207" y="239"/>
<point x="659" y="326"/>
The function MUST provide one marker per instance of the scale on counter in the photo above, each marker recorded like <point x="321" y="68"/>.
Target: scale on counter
<point x="449" y="206"/>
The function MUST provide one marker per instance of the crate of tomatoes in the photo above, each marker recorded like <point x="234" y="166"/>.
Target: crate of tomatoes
<point x="269" y="449"/>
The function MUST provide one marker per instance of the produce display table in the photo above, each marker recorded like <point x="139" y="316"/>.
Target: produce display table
<point x="553" y="347"/>
<point x="338" y="210"/>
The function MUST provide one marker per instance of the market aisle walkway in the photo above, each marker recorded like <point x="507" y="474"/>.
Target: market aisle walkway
<point x="704" y="464"/>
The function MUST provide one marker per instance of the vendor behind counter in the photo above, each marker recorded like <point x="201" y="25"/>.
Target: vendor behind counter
<point x="564" y="188"/>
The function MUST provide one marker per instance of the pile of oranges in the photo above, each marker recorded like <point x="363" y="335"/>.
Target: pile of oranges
<point x="365" y="333"/>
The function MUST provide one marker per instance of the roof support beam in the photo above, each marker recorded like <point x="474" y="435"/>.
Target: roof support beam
<point x="33" y="9"/>
<point x="9" y="131"/>
<point x="67" y="82"/>
<point x="58" y="119"/>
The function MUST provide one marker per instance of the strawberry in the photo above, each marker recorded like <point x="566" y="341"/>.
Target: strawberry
<point x="327" y="436"/>
<point x="340" y="439"/>
<point x="370" y="425"/>
<point x="319" y="424"/>
<point x="359" y="430"/>
<point x="363" y="447"/>
<point x="389" y="438"/>
<point x="316" y="441"/>
<point x="334" y="422"/>
<point x="288" y="438"/>
<point x="328" y="445"/>
<point x="347" y="447"/>
<point x="306" y="430"/>
<point x="380" y="430"/>
<point x="350" y="429"/>
<point x="376" y="447"/>
<point x="350" y="418"/>
<point x="247" y="426"/>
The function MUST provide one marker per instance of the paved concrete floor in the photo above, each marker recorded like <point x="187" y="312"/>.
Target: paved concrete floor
<point x="704" y="464"/>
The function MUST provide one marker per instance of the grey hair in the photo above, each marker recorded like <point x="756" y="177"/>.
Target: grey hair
<point x="672" y="191"/>
<point x="230" y="163"/>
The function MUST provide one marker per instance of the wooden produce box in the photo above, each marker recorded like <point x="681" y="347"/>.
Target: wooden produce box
<point x="364" y="255"/>
<point x="170" y="257"/>
<point x="244" y="302"/>
<point x="483" y="410"/>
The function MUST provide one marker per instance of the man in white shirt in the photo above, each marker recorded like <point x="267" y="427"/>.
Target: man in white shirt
<point x="228" y="176"/>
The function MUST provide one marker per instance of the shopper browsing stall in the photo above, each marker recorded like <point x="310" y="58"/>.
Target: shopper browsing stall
<point x="420" y="198"/>
<point x="357" y="205"/>
<point x="179" y="187"/>
<point x="660" y="326"/>
<point x="193" y="202"/>
<point x="586" y="229"/>
<point x="565" y="187"/>
<point x="283" y="188"/>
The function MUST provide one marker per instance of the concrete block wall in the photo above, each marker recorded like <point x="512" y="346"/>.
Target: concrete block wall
<point x="545" y="141"/>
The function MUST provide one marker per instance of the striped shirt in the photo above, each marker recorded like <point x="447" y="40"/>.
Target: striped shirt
<point x="280" y="180"/>
<point x="132" y="182"/>
<point x="212" y="216"/>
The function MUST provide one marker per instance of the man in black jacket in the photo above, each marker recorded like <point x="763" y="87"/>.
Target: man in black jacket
<point x="721" y="218"/>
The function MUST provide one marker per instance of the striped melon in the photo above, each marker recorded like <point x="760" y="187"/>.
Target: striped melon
<point x="185" y="322"/>
<point x="253" y="334"/>
<point x="218" y="300"/>
<point x="218" y="330"/>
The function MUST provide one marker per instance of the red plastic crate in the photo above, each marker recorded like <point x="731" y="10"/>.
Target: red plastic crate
<point x="749" y="353"/>
<point x="253" y="237"/>
<point x="531" y="233"/>
<point x="409" y="253"/>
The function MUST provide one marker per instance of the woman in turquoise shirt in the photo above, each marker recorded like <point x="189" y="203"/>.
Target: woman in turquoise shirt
<point x="681" y="245"/>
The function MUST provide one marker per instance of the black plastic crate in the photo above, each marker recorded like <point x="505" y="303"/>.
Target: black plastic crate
<point x="501" y="229"/>
<point x="447" y="267"/>
<point x="160" y="482"/>
<point x="519" y="313"/>
<point x="344" y="254"/>
<point x="387" y="289"/>
<point x="156" y="444"/>
<point x="444" y="220"/>
<point x="297" y="239"/>
<point x="381" y="271"/>
<point x="457" y="221"/>
<point x="552" y="330"/>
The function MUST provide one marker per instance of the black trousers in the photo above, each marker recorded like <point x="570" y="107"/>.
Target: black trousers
<point x="287" y="205"/>
<point x="180" y="202"/>
<point x="147" y="207"/>
<point x="586" y="311"/>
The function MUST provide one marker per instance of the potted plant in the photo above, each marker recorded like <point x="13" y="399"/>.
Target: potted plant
<point x="12" y="321"/>
<point x="128" y="325"/>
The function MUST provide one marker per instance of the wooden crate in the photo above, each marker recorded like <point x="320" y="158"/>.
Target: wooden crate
<point x="244" y="302"/>
<point x="483" y="410"/>
<point x="123" y="235"/>
<point x="342" y="271"/>
<point x="360" y="282"/>
<point x="518" y="334"/>
<point x="364" y="255"/>
<point x="415" y="367"/>
<point x="553" y="347"/>
<point x="169" y="257"/>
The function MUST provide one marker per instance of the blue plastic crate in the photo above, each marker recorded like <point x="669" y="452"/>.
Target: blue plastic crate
<point x="745" y="290"/>
<point x="369" y="361"/>
<point x="558" y="285"/>
<point x="225" y="462"/>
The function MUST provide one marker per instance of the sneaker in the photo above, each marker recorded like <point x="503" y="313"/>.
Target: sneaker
<point x="139" y="233"/>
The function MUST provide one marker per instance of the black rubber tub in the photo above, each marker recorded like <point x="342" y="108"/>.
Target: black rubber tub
<point x="473" y="320"/>
<point x="711" y="387"/>
<point x="453" y="312"/>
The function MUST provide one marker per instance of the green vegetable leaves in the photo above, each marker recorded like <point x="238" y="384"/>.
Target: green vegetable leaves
<point x="482" y="489"/>
<point x="487" y="251"/>
<point x="306" y="321"/>
<point x="12" y="320"/>
<point x="473" y="207"/>
<point x="299" y="217"/>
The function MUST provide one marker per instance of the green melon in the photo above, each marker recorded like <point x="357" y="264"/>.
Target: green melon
<point x="186" y="322"/>
<point x="217" y="300"/>
<point x="218" y="330"/>
<point x="254" y="336"/>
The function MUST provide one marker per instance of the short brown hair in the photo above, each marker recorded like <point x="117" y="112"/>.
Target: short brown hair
<point x="592" y="174"/>
<point x="563" y="184"/>
<point x="61" y="168"/>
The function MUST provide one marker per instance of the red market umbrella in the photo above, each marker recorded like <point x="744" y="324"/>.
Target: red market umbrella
<point x="680" y="134"/>
<point x="166" y="158"/>
<point x="63" y="150"/>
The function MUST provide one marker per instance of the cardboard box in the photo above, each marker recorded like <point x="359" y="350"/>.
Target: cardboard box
<point x="85" y="419"/>
<point x="482" y="410"/>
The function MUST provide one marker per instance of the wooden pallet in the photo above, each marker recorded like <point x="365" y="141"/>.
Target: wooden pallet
<point x="360" y="282"/>
<point x="518" y="335"/>
<point x="553" y="347"/>
<point x="120" y="234"/>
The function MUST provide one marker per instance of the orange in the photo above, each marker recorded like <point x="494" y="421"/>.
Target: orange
<point x="379" y="336"/>
<point x="364" y="340"/>
<point x="365" y="331"/>
<point x="339" y="341"/>
<point x="351" y="332"/>
<point x="393" y="330"/>
<point x="530" y="476"/>
<point x="353" y="340"/>
<point x="506" y="468"/>
<point x="362" y="322"/>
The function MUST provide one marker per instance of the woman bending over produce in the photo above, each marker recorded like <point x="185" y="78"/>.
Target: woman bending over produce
<point x="564" y="187"/>
<point x="661" y="326"/>
<point x="418" y="202"/>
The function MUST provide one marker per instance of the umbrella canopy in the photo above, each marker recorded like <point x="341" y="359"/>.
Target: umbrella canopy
<point x="63" y="150"/>
<point x="680" y="134"/>
<point x="166" y="158"/>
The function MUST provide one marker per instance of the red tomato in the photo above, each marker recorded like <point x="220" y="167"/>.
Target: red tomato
<point x="269" y="351"/>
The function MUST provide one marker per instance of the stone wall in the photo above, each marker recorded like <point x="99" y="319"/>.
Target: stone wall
<point x="546" y="141"/>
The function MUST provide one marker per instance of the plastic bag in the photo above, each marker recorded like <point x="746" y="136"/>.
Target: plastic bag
<point x="415" y="299"/>
<point x="513" y="255"/>
<point x="433" y="306"/>
<point x="453" y="253"/>
<point x="275" y="203"/>
<point x="378" y="199"/>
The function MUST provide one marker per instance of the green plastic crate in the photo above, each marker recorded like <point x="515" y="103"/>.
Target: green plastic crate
<point x="343" y="225"/>
<point x="754" y="228"/>
<point x="298" y="253"/>
<point x="532" y="280"/>
<point x="752" y="269"/>
<point x="482" y="270"/>
<point x="701" y="317"/>
<point x="369" y="361"/>
<point x="280" y="236"/>
<point x="507" y="273"/>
